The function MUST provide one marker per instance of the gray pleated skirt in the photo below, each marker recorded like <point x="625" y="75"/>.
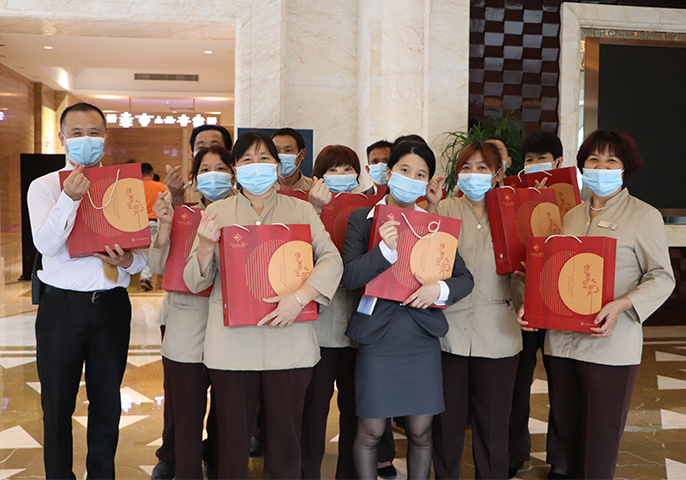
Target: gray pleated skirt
<point x="400" y="374"/>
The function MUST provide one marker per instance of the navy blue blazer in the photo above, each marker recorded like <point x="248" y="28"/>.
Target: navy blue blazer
<point x="361" y="266"/>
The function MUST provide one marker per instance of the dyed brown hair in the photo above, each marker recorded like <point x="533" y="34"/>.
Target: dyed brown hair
<point x="489" y="153"/>
<point x="614" y="143"/>
<point x="335" y="156"/>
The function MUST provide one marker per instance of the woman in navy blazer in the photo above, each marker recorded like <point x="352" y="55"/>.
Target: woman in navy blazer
<point x="398" y="369"/>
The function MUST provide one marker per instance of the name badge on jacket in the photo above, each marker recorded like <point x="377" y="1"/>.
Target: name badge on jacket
<point x="608" y="225"/>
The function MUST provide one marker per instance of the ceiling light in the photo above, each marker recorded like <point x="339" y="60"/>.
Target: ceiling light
<point x="109" y="97"/>
<point x="214" y="113"/>
<point x="214" y="99"/>
<point x="47" y="47"/>
<point x="208" y="52"/>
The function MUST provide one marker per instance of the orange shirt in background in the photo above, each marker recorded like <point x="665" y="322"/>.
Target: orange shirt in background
<point x="152" y="188"/>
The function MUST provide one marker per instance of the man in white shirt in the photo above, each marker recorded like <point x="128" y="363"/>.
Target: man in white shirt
<point x="84" y="313"/>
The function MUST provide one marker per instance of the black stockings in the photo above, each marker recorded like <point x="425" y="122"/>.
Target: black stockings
<point x="369" y="432"/>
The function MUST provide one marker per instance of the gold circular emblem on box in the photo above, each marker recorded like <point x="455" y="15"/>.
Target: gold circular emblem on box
<point x="564" y="192"/>
<point x="290" y="266"/>
<point x="429" y="258"/>
<point x="125" y="212"/>
<point x="581" y="283"/>
<point x="545" y="220"/>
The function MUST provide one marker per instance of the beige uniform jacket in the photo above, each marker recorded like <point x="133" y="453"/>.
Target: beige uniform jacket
<point x="483" y="324"/>
<point x="265" y="348"/>
<point x="185" y="316"/>
<point x="303" y="183"/>
<point x="643" y="272"/>
<point x="333" y="319"/>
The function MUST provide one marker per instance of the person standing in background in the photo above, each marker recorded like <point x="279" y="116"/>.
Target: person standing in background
<point x="152" y="189"/>
<point x="84" y="313"/>
<point x="542" y="151"/>
<point x="378" y="154"/>
<point x="291" y="147"/>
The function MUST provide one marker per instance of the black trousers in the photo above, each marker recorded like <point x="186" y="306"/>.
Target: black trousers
<point x="71" y="330"/>
<point x="591" y="404"/>
<point x="283" y="394"/>
<point x="520" y="440"/>
<point x="483" y="388"/>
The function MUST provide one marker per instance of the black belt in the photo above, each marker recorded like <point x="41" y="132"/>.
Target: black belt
<point x="98" y="296"/>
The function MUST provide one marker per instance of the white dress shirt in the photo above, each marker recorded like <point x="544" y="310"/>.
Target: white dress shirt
<point x="392" y="255"/>
<point x="52" y="213"/>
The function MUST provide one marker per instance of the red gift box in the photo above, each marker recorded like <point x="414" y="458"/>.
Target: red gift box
<point x="263" y="261"/>
<point x="335" y="215"/>
<point x="568" y="280"/>
<point x="113" y="211"/>
<point x="184" y="227"/>
<point x="300" y="194"/>
<point x="427" y="245"/>
<point x="516" y="215"/>
<point x="562" y="180"/>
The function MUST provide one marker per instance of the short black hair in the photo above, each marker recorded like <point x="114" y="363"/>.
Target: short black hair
<point x="412" y="138"/>
<point x="542" y="143"/>
<point x="247" y="140"/>
<point x="81" y="107"/>
<point x="407" y="148"/>
<point x="287" y="131"/>
<point x="223" y="153"/>
<point x="156" y="177"/>
<point x="228" y="142"/>
<point x="146" y="169"/>
<point x="379" y="144"/>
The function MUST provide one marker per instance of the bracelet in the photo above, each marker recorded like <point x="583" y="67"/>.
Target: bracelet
<point x="299" y="301"/>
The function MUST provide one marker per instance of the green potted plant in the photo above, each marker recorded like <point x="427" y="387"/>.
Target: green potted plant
<point x="505" y="127"/>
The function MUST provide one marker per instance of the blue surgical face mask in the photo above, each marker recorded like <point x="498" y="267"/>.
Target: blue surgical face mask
<point x="214" y="185"/>
<point x="405" y="189"/>
<point x="602" y="182"/>
<point x="287" y="164"/>
<point x="474" y="185"/>
<point x="341" y="183"/>
<point x="538" y="167"/>
<point x="257" y="178"/>
<point x="378" y="173"/>
<point x="86" y="150"/>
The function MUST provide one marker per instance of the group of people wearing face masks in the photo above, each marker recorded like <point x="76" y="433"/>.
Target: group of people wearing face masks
<point x="434" y="368"/>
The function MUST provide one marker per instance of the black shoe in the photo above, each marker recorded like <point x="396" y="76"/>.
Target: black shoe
<point x="256" y="447"/>
<point x="513" y="469"/>
<point x="164" y="470"/>
<point x="555" y="474"/>
<point x="388" y="472"/>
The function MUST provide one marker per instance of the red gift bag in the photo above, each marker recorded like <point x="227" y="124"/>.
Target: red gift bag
<point x="263" y="261"/>
<point x="184" y="227"/>
<point x="300" y="194"/>
<point x="335" y="215"/>
<point x="427" y="245"/>
<point x="568" y="281"/>
<point x="516" y="215"/>
<point x="562" y="180"/>
<point x="113" y="211"/>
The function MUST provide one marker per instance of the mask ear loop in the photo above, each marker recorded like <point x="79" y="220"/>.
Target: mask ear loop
<point x="559" y="235"/>
<point x="114" y="187"/>
<point x="432" y="231"/>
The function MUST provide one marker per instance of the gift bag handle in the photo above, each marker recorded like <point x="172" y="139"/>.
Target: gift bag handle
<point x="534" y="188"/>
<point x="354" y="193"/>
<point x="431" y="233"/>
<point x="559" y="235"/>
<point x="509" y="186"/>
<point x="189" y="208"/>
<point x="244" y="228"/>
<point x="519" y="175"/>
<point x="111" y="194"/>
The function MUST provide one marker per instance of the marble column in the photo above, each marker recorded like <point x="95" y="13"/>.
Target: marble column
<point x="413" y="69"/>
<point x="296" y="66"/>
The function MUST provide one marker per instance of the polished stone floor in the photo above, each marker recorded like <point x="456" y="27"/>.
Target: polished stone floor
<point x="653" y="446"/>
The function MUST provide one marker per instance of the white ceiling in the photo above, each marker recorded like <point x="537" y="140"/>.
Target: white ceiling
<point x="101" y="70"/>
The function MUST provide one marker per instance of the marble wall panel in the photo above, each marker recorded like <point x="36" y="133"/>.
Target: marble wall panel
<point x="17" y="97"/>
